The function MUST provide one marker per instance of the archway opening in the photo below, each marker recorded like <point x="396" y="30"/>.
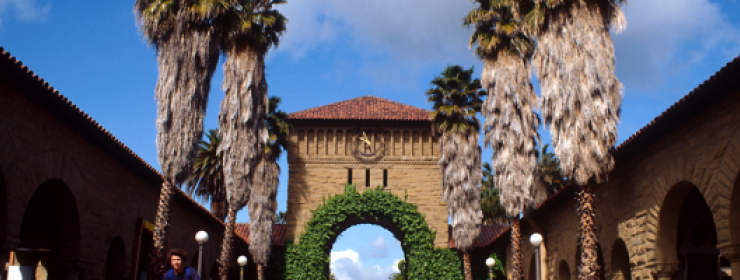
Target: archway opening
<point x="620" y="264"/>
<point x="696" y="239"/>
<point x="50" y="231"/>
<point x="115" y="262"/>
<point x="563" y="271"/>
<point x="366" y="251"/>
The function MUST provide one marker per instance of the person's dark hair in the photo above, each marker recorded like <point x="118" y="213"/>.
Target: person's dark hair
<point x="177" y="252"/>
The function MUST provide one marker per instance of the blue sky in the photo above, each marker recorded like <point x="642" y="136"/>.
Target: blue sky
<point x="335" y="50"/>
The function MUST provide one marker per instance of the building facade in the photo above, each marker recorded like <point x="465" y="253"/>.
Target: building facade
<point x="74" y="201"/>
<point x="671" y="206"/>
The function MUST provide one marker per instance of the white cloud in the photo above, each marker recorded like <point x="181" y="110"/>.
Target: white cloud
<point x="347" y="265"/>
<point x="390" y="41"/>
<point x="395" y="266"/>
<point x="26" y="10"/>
<point x="665" y="38"/>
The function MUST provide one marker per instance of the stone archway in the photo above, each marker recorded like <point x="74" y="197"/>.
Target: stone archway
<point x="50" y="230"/>
<point x="563" y="271"/>
<point x="115" y="262"/>
<point x="687" y="236"/>
<point x="620" y="262"/>
<point x="309" y="258"/>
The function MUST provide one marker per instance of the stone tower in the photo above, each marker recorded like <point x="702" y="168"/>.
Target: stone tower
<point x="366" y="141"/>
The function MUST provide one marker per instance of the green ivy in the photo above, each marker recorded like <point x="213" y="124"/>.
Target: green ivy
<point x="308" y="259"/>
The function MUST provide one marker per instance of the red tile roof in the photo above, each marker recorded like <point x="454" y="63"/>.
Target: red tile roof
<point x="278" y="233"/>
<point x="36" y="88"/>
<point x="363" y="108"/>
<point x="488" y="234"/>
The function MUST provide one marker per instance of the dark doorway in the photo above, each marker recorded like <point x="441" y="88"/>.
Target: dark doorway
<point x="696" y="240"/>
<point x="115" y="262"/>
<point x="50" y="231"/>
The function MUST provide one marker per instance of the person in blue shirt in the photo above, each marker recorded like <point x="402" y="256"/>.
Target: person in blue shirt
<point x="179" y="270"/>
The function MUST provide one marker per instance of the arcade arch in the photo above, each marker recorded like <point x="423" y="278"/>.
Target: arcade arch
<point x="620" y="262"/>
<point x="563" y="271"/>
<point x="687" y="235"/>
<point x="50" y="230"/>
<point x="115" y="262"/>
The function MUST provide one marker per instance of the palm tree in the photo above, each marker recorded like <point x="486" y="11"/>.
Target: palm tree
<point x="548" y="170"/>
<point x="581" y="98"/>
<point x="262" y="198"/>
<point x="490" y="204"/>
<point x="187" y="49"/>
<point x="250" y="29"/>
<point x="510" y="121"/>
<point x="456" y="100"/>
<point x="207" y="180"/>
<point x="281" y="218"/>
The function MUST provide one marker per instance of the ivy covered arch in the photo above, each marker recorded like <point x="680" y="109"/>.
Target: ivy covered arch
<point x="307" y="259"/>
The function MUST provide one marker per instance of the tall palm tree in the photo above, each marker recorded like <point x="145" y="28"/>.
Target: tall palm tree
<point x="581" y="98"/>
<point x="207" y="180"/>
<point x="250" y="29"/>
<point x="456" y="100"/>
<point x="510" y="121"/>
<point x="548" y="170"/>
<point x="490" y="203"/>
<point x="263" y="196"/>
<point x="187" y="49"/>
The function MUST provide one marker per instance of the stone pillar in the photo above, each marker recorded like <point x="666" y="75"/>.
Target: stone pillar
<point x="732" y="253"/>
<point x="663" y="271"/>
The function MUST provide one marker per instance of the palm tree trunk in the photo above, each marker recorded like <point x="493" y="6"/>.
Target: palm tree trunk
<point x="589" y="269"/>
<point x="466" y="264"/>
<point x="260" y="272"/>
<point x="226" y="246"/>
<point x="516" y="250"/>
<point x="161" y="224"/>
<point x="218" y="208"/>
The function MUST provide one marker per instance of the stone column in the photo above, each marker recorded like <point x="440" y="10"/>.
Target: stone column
<point x="732" y="253"/>
<point x="663" y="271"/>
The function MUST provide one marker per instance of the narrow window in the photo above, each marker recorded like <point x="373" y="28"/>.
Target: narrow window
<point x="367" y="177"/>
<point x="385" y="177"/>
<point x="349" y="176"/>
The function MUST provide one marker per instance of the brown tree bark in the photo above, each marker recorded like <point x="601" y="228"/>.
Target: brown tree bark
<point x="466" y="264"/>
<point x="589" y="269"/>
<point x="161" y="225"/>
<point x="516" y="250"/>
<point x="227" y="246"/>
<point x="218" y="208"/>
<point x="260" y="272"/>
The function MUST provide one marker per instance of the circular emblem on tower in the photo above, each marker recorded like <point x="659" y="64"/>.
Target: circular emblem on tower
<point x="368" y="144"/>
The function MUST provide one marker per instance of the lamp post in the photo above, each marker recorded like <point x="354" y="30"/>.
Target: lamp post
<point x="490" y="262"/>
<point x="242" y="260"/>
<point x="201" y="237"/>
<point x="536" y="240"/>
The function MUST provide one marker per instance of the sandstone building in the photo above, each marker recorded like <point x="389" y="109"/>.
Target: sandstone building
<point x="671" y="207"/>
<point x="75" y="198"/>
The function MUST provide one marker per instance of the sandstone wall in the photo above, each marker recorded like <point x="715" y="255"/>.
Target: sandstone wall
<point x="703" y="153"/>
<point x="36" y="146"/>
<point x="320" y="155"/>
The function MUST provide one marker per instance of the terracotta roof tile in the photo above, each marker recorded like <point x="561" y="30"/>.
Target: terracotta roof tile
<point x="363" y="108"/>
<point x="278" y="233"/>
<point x="488" y="234"/>
<point x="38" y="89"/>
